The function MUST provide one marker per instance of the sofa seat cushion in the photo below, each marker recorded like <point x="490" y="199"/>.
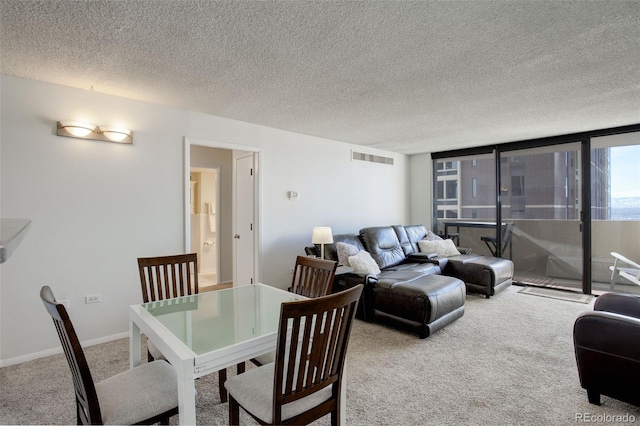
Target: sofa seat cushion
<point x="423" y="299"/>
<point x="482" y="274"/>
<point x="423" y="268"/>
<point x="389" y="279"/>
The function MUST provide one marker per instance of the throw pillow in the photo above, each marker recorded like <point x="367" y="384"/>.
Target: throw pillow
<point x="431" y="236"/>
<point x="443" y="248"/>
<point x="344" y="251"/>
<point x="363" y="263"/>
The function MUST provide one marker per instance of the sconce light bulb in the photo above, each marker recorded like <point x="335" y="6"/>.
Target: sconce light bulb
<point x="114" y="133"/>
<point x="77" y="128"/>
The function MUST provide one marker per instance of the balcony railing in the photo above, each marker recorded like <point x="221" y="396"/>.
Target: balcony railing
<point x="549" y="252"/>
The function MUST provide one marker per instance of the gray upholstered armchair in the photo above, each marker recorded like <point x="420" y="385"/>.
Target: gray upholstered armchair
<point x="607" y="347"/>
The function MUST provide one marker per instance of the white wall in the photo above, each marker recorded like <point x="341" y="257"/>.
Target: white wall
<point x="97" y="206"/>
<point x="420" y="189"/>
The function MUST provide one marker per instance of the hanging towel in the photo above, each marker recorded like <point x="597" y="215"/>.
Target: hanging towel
<point x="212" y="217"/>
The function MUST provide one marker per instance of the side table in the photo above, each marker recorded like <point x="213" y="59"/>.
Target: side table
<point x="340" y="282"/>
<point x="346" y="279"/>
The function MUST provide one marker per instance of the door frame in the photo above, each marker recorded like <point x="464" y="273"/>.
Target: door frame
<point x="257" y="242"/>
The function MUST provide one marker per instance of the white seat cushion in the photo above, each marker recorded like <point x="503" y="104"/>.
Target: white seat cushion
<point x="154" y="351"/>
<point x="266" y="358"/>
<point x="138" y="394"/>
<point x="254" y="392"/>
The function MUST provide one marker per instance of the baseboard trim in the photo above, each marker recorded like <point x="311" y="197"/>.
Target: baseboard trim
<point x="54" y="351"/>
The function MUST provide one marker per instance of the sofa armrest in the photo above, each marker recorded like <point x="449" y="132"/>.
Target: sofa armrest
<point x="624" y="304"/>
<point x="312" y="251"/>
<point x="421" y="257"/>
<point x="607" y="333"/>
<point x="440" y="261"/>
<point x="351" y="279"/>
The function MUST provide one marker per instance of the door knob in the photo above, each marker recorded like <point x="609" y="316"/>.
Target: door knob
<point x="236" y="236"/>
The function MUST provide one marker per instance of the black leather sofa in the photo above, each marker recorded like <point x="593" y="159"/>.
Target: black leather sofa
<point x="414" y="287"/>
<point x="607" y="348"/>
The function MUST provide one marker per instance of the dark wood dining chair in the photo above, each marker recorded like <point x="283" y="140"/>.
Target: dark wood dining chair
<point x="166" y="277"/>
<point x="312" y="277"/>
<point x="144" y="395"/>
<point x="304" y="383"/>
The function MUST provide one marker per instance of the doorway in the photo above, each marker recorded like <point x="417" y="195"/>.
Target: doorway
<point x="204" y="201"/>
<point x="210" y="225"/>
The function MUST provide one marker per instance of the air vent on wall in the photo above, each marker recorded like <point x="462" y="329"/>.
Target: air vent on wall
<point x="371" y="158"/>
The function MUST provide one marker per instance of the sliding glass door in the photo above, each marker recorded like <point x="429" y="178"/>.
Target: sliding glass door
<point x="541" y="205"/>
<point x="563" y="208"/>
<point x="615" y="211"/>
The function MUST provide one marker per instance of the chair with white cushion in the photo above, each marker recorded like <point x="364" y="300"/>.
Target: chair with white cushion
<point x="166" y="277"/>
<point x="144" y="395"/>
<point x="625" y="268"/>
<point x="304" y="383"/>
<point x="311" y="278"/>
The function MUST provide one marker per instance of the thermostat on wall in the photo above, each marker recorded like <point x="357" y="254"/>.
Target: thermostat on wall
<point x="293" y="195"/>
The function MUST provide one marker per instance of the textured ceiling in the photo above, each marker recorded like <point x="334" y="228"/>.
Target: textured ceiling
<point x="407" y="77"/>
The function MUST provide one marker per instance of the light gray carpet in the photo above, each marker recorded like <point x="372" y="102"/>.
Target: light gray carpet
<point x="508" y="360"/>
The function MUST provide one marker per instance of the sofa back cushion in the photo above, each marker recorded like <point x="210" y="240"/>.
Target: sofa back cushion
<point x="403" y="238"/>
<point x="330" y="252"/>
<point x="410" y="235"/>
<point x="416" y="233"/>
<point x="383" y="245"/>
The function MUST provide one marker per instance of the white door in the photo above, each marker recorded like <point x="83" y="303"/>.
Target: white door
<point x="245" y="232"/>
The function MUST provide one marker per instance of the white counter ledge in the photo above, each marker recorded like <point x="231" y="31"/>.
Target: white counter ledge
<point x="11" y="233"/>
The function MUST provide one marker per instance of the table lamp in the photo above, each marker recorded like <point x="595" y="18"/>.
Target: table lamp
<point x="322" y="235"/>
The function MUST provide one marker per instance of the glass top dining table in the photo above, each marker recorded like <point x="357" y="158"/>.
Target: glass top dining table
<point x="207" y="332"/>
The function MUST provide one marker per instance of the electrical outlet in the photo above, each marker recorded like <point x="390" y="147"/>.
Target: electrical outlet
<point x="93" y="298"/>
<point x="65" y="303"/>
<point x="291" y="271"/>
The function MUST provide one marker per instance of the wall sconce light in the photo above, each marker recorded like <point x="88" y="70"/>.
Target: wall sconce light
<point x="322" y="235"/>
<point x="76" y="129"/>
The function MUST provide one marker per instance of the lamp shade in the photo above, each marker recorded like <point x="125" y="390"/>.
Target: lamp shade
<point x="322" y="235"/>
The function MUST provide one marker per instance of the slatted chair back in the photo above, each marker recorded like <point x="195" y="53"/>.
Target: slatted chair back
<point x="165" y="277"/>
<point x="312" y="345"/>
<point x="313" y="277"/>
<point x="87" y="405"/>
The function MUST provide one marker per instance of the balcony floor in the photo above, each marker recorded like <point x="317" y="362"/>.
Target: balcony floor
<point x="597" y="288"/>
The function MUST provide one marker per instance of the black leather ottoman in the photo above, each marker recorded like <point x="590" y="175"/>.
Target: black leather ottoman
<point x="428" y="301"/>
<point x="482" y="274"/>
